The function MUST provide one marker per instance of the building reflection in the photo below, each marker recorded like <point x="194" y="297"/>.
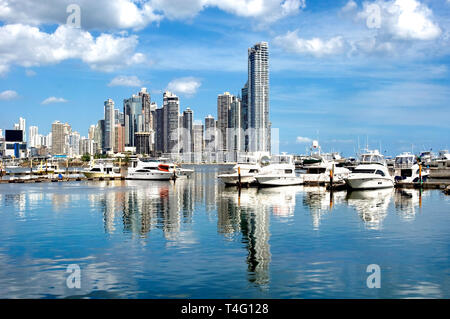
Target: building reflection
<point x="372" y="205"/>
<point x="320" y="202"/>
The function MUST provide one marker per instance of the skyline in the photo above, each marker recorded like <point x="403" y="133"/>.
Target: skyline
<point x="332" y="80"/>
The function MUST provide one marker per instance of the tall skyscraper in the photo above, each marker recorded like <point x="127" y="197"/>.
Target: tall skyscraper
<point x="133" y="114"/>
<point x="159" y="123"/>
<point x="186" y="133"/>
<point x="109" y="125"/>
<point x="197" y="142"/>
<point x="171" y="106"/>
<point x="244" y="117"/>
<point x="33" y="137"/>
<point x="258" y="97"/>
<point x="210" y="134"/>
<point x="234" y="125"/>
<point x="223" y="112"/>
<point x="146" y="110"/>
<point x="60" y="133"/>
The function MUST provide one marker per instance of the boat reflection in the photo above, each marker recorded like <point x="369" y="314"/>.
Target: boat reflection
<point x="372" y="205"/>
<point x="407" y="201"/>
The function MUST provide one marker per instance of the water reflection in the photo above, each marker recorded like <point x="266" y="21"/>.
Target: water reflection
<point x="372" y="205"/>
<point x="141" y="209"/>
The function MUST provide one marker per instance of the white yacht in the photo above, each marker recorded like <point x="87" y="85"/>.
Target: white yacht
<point x="443" y="159"/>
<point x="151" y="170"/>
<point x="319" y="173"/>
<point x="280" y="172"/>
<point x="371" y="173"/>
<point x="406" y="169"/>
<point x="248" y="167"/>
<point x="102" y="169"/>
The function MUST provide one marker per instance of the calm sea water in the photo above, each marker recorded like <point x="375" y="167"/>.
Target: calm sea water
<point x="197" y="239"/>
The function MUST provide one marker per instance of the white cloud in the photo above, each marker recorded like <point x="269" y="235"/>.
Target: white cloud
<point x="8" y="95"/>
<point x="99" y="14"/>
<point x="350" y="6"/>
<point x="28" y="46"/>
<point x="401" y="19"/>
<point x="291" y="42"/>
<point x="54" y="99"/>
<point x="137" y="14"/>
<point x="187" y="85"/>
<point x="123" y="80"/>
<point x="303" y="140"/>
<point x="266" y="10"/>
<point x="30" y="73"/>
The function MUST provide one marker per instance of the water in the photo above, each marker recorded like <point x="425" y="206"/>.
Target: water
<point x="196" y="239"/>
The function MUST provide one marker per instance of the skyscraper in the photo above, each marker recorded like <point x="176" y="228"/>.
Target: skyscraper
<point x="244" y="117"/>
<point x="133" y="118"/>
<point x="186" y="134"/>
<point x="210" y="134"/>
<point x="60" y="133"/>
<point x="171" y="106"/>
<point x="223" y="112"/>
<point x="109" y="125"/>
<point x="258" y="97"/>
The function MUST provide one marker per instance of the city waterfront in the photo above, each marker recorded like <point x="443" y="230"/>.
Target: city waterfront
<point x="195" y="238"/>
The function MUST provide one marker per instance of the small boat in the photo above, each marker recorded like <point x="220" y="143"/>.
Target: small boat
<point x="320" y="173"/>
<point x="371" y="173"/>
<point x="101" y="170"/>
<point x="248" y="167"/>
<point x="280" y="172"/>
<point x="407" y="169"/>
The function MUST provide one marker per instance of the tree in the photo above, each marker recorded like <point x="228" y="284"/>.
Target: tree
<point x="86" y="157"/>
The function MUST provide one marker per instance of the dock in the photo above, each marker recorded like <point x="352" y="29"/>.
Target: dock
<point x="58" y="180"/>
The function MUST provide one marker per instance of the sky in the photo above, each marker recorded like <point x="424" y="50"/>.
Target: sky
<point x="340" y="71"/>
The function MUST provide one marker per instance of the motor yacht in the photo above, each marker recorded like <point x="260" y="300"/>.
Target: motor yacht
<point x="149" y="169"/>
<point x="102" y="169"/>
<point x="248" y="168"/>
<point x="319" y="173"/>
<point x="280" y="172"/>
<point x="371" y="173"/>
<point x="407" y="169"/>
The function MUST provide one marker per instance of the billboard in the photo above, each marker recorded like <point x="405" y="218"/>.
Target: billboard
<point x="13" y="136"/>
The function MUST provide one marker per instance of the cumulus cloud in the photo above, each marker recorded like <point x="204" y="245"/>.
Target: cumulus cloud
<point x="123" y="80"/>
<point x="54" y="99"/>
<point x="187" y="85"/>
<point x="30" y="73"/>
<point x="349" y="6"/>
<point x="291" y="42"/>
<point x="303" y="140"/>
<point x="27" y="46"/>
<point x="137" y="14"/>
<point x="8" y="95"/>
<point x="401" y="19"/>
<point x="99" y="14"/>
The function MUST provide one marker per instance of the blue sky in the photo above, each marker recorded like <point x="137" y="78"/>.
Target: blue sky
<point x="339" y="69"/>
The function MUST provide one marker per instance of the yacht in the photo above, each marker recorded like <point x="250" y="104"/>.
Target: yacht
<point x="406" y="169"/>
<point x="371" y="173"/>
<point x="149" y="169"/>
<point x="443" y="159"/>
<point x="319" y="173"/>
<point x="280" y="172"/>
<point x="102" y="169"/>
<point x="248" y="167"/>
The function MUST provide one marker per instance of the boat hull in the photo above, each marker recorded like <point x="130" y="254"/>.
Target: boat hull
<point x="233" y="179"/>
<point x="369" y="183"/>
<point x="99" y="175"/>
<point x="154" y="176"/>
<point x="279" y="180"/>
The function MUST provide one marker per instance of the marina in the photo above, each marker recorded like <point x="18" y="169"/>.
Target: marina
<point x="195" y="237"/>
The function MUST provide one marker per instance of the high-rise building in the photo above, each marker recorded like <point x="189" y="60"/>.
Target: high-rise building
<point x="146" y="110"/>
<point x="171" y="107"/>
<point x="159" y="123"/>
<point x="33" y="137"/>
<point x="210" y="134"/>
<point x="234" y="125"/>
<point x="186" y="132"/>
<point x="74" y="144"/>
<point x="119" y="140"/>
<point x="134" y="121"/>
<point x="258" y="97"/>
<point x="109" y="125"/>
<point x="99" y="135"/>
<point x="60" y="134"/>
<point x="197" y="142"/>
<point x="143" y="140"/>
<point x="223" y="112"/>
<point x="244" y="117"/>
<point x="86" y="146"/>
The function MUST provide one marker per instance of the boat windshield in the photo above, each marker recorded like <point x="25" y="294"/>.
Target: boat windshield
<point x="371" y="158"/>
<point x="402" y="160"/>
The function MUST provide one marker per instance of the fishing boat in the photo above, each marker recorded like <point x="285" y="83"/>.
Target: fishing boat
<point x="102" y="169"/>
<point x="280" y="172"/>
<point x="407" y="169"/>
<point x="371" y="173"/>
